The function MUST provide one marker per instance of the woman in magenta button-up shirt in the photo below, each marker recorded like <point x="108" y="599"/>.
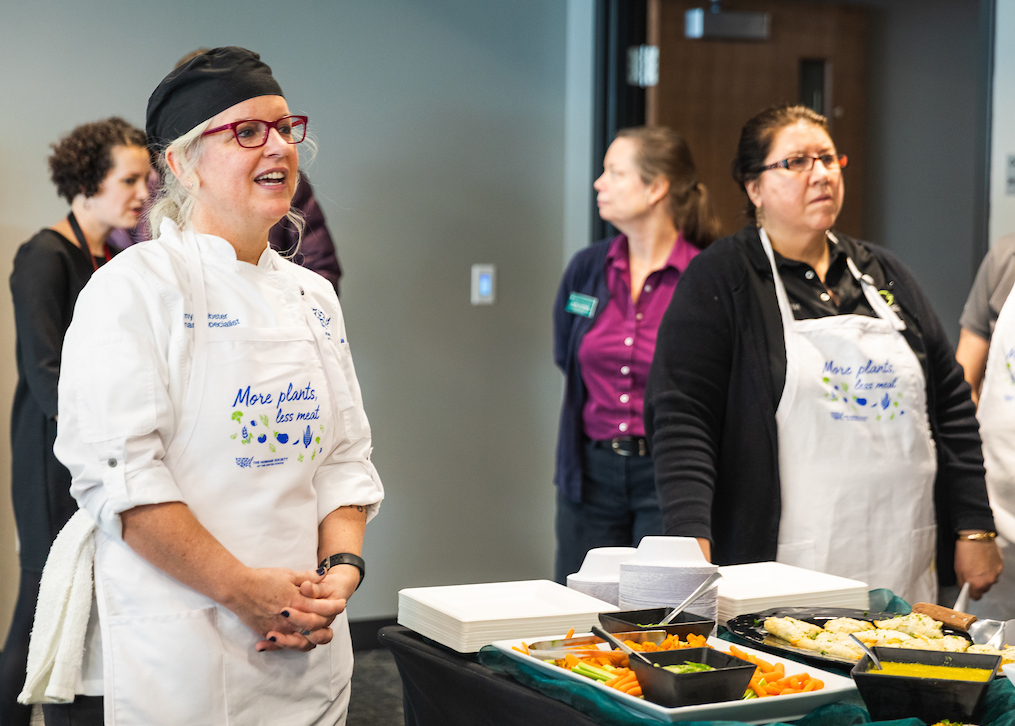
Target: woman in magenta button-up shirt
<point x="607" y="311"/>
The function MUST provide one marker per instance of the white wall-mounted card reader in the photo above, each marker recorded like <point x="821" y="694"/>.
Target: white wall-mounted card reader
<point x="484" y="284"/>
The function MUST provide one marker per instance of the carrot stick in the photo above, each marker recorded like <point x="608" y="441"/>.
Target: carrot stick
<point x="570" y="633"/>
<point x="759" y="690"/>
<point x="617" y="680"/>
<point x="525" y="649"/>
<point x="636" y="691"/>
<point x="625" y="682"/>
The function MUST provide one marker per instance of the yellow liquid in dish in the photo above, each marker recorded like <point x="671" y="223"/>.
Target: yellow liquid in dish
<point x="921" y="670"/>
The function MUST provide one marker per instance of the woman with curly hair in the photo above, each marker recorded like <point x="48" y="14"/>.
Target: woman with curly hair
<point x="101" y="169"/>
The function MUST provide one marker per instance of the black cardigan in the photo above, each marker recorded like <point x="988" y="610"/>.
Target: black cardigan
<point x="49" y="272"/>
<point x="585" y="274"/>
<point x="715" y="383"/>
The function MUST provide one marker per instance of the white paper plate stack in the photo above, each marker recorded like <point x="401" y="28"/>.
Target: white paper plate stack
<point x="766" y="585"/>
<point x="467" y="617"/>
<point x="599" y="575"/>
<point x="663" y="572"/>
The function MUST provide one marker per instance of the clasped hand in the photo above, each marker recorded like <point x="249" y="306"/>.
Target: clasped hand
<point x="293" y="610"/>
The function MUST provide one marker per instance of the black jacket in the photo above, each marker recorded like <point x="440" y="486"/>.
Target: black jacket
<point x="715" y="383"/>
<point x="49" y="272"/>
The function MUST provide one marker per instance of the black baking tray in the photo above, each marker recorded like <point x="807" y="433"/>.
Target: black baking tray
<point x="751" y="627"/>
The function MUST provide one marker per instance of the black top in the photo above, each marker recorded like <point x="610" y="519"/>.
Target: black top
<point x="840" y="294"/>
<point x="715" y="383"/>
<point x="49" y="272"/>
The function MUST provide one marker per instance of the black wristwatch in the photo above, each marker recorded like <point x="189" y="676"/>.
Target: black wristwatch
<point x="346" y="558"/>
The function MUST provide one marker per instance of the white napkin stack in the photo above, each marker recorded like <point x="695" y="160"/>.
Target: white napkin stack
<point x="599" y="575"/>
<point x="763" y="586"/>
<point x="663" y="572"/>
<point x="467" y="617"/>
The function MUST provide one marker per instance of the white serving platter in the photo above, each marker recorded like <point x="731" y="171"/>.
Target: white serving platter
<point x="757" y="710"/>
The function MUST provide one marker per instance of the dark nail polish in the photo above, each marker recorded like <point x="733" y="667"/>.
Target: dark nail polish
<point x="260" y="650"/>
<point x="320" y="571"/>
<point x="273" y="639"/>
<point x="285" y="613"/>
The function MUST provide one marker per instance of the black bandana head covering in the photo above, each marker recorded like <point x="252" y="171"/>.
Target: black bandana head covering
<point x="202" y="87"/>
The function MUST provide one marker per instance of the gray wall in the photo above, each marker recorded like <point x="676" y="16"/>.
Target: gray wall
<point x="922" y="142"/>
<point x="1002" y="203"/>
<point x="440" y="125"/>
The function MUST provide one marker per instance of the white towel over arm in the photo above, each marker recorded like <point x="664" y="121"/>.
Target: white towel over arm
<point x="56" y="651"/>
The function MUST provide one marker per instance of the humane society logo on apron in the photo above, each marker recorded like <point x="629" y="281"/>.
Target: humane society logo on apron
<point x="292" y="432"/>
<point x="869" y="392"/>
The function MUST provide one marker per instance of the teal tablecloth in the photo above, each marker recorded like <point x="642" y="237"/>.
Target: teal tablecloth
<point x="1000" y="705"/>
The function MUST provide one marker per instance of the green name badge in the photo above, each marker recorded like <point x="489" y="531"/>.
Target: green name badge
<point x="584" y="305"/>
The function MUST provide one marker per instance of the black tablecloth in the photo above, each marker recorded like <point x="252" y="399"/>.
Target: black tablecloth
<point x="444" y="688"/>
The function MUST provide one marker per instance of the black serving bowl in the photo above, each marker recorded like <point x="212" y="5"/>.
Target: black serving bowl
<point x="727" y="682"/>
<point x="928" y="699"/>
<point x="632" y="620"/>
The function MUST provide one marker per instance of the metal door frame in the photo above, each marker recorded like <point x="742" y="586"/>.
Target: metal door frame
<point x="620" y="24"/>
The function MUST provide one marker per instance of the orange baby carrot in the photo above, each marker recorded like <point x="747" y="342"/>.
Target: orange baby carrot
<point x="617" y="680"/>
<point x="570" y="633"/>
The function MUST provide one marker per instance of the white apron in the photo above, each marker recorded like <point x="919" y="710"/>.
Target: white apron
<point x="996" y="414"/>
<point x="244" y="459"/>
<point x="856" y="458"/>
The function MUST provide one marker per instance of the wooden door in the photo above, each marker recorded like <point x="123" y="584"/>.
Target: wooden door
<point x="708" y="88"/>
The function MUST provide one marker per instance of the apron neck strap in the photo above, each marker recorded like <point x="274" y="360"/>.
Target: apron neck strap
<point x="199" y="354"/>
<point x="780" y="288"/>
<point x="870" y="291"/>
<point x="83" y="243"/>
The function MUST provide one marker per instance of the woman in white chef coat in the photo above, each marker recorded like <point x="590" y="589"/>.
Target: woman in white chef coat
<point x="985" y="351"/>
<point x="804" y="403"/>
<point x="226" y="459"/>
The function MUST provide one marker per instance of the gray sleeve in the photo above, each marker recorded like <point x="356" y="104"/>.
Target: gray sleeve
<point x="993" y="283"/>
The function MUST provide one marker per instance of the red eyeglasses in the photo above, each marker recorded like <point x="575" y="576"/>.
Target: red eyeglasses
<point x="253" y="133"/>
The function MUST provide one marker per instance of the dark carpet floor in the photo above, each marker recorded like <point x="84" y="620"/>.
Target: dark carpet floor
<point x="376" y="698"/>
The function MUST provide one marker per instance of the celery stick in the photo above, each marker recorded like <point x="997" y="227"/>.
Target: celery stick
<point x="584" y="669"/>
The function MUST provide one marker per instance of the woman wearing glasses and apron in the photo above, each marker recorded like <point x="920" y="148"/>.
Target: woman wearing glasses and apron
<point x="227" y="466"/>
<point x="804" y="402"/>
